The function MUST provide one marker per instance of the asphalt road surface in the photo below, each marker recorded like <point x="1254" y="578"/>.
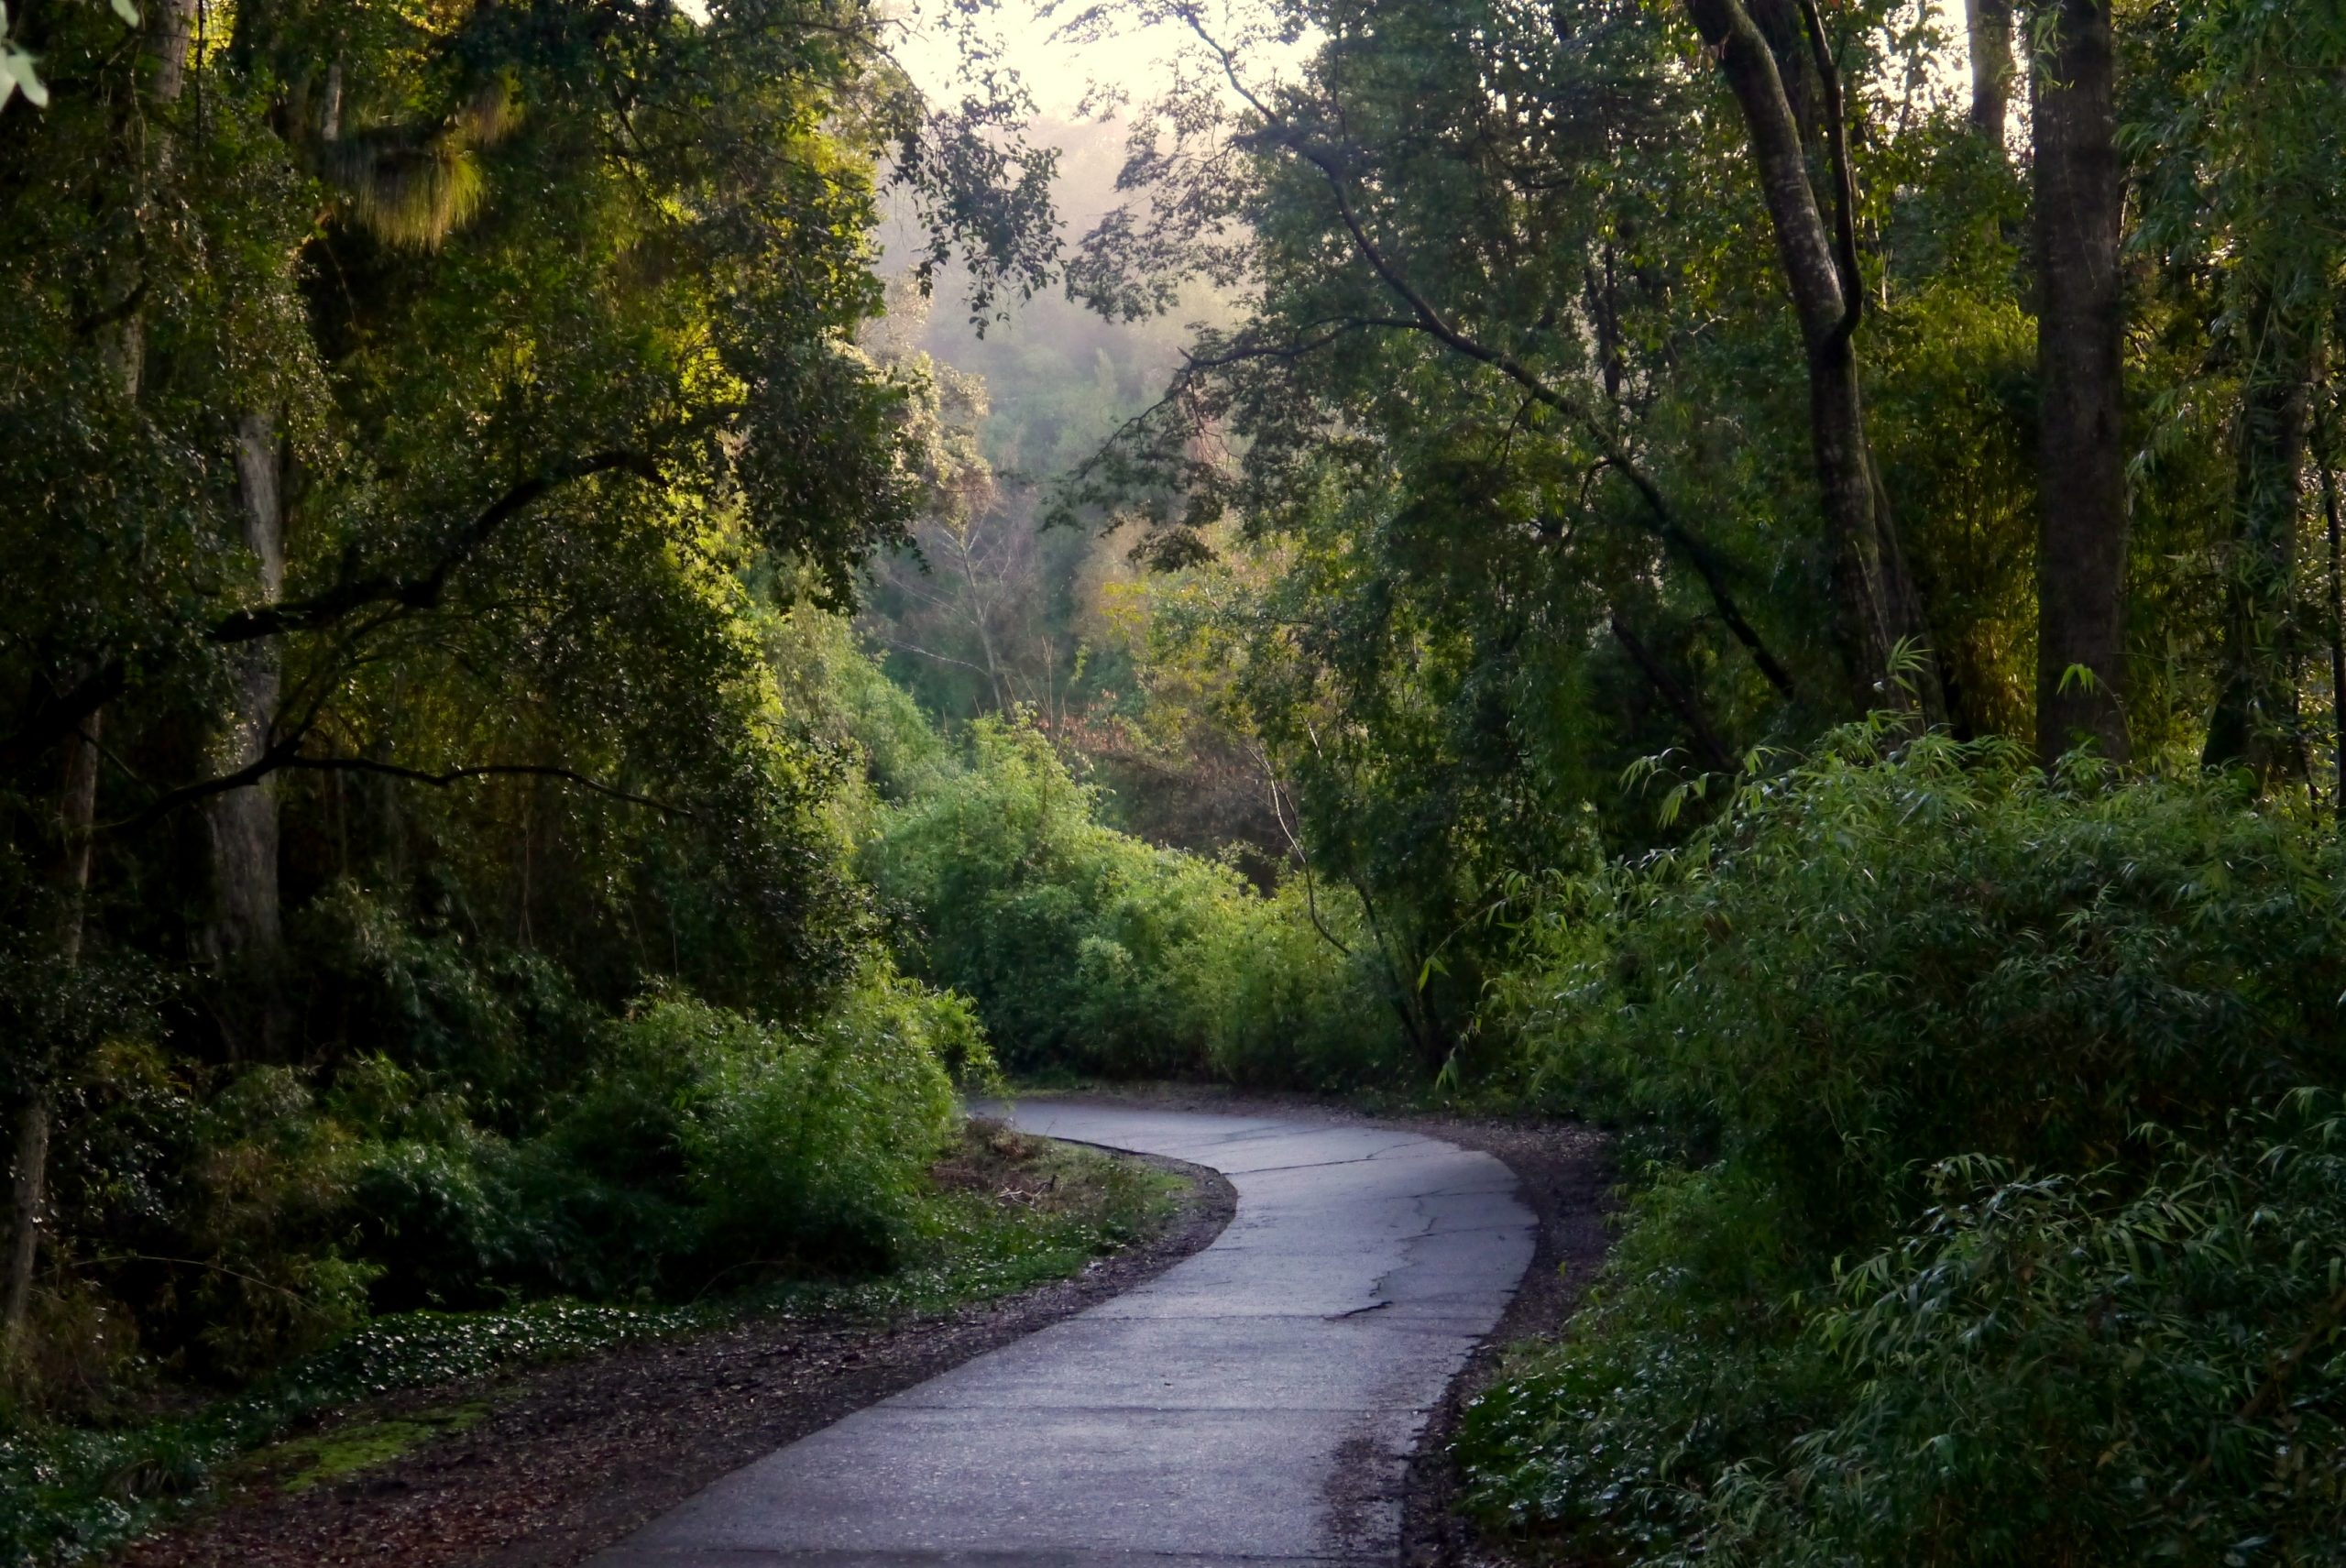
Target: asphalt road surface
<point x="1256" y="1404"/>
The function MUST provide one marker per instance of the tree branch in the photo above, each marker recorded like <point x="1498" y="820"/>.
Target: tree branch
<point x="286" y="755"/>
<point x="1844" y="183"/>
<point x="1812" y="270"/>
<point x="1426" y="318"/>
<point x="490" y="770"/>
<point x="58" y="715"/>
<point x="1295" y="845"/>
<point x="424" y="592"/>
<point x="1690" y="711"/>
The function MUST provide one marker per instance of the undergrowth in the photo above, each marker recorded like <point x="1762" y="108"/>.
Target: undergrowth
<point x="1001" y="1212"/>
<point x="1993" y="1199"/>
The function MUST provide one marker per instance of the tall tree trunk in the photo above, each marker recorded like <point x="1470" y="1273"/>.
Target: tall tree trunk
<point x="1876" y="605"/>
<point x="76" y="812"/>
<point x="123" y="349"/>
<point x="2251" y="724"/>
<point x="2081" y="481"/>
<point x="1989" y="27"/>
<point x="244" y="937"/>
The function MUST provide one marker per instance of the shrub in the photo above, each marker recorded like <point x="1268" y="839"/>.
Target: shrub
<point x="272" y="1180"/>
<point x="811" y="1146"/>
<point x="1287" y="1006"/>
<point x="1090" y="951"/>
<point x="2090" y="1369"/>
<point x="1069" y="935"/>
<point x="1876" y="961"/>
<point x="1996" y="1216"/>
<point x="705" y="1141"/>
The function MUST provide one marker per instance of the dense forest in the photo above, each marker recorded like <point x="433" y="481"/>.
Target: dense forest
<point x="609" y="601"/>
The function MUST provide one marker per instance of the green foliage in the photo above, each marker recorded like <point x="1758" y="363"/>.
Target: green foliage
<point x="1961" y="956"/>
<point x="1289" y="1007"/>
<point x="239" y="1217"/>
<point x="417" y="425"/>
<point x="1686" y="1359"/>
<point x="811" y="1146"/>
<point x="1087" y="950"/>
<point x="74" y="1494"/>
<point x="1995" y="1224"/>
<point x="1069" y="937"/>
<point x="702" y="1143"/>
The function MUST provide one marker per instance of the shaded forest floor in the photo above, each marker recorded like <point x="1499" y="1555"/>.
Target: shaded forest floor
<point x="544" y="1467"/>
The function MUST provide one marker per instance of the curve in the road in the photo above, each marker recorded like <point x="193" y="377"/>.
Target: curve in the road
<point x="1256" y="1404"/>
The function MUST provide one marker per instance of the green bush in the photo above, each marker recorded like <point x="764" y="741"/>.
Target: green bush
<point x="1289" y="1007"/>
<point x="1087" y="949"/>
<point x="1993" y="1214"/>
<point x="812" y="1146"/>
<point x="1688" y="1358"/>
<point x="1874" y="962"/>
<point x="256" y="1213"/>
<point x="2109" y="1369"/>
<point x="705" y="1141"/>
<point x="1067" y="934"/>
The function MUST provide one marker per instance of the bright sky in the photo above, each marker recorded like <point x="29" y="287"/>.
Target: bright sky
<point x="1056" y="71"/>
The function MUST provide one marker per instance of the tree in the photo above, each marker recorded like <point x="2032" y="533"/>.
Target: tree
<point x="1878" y="607"/>
<point x="2081" y="465"/>
<point x="1991" y="29"/>
<point x="2240" y="135"/>
<point x="399" y="408"/>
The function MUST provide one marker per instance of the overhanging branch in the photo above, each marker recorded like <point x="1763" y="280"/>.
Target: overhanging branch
<point x="422" y="592"/>
<point x="56" y="715"/>
<point x="287" y="756"/>
<point x="1425" y="317"/>
<point x="488" y="770"/>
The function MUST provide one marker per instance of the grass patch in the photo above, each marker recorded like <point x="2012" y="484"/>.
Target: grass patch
<point x="307" y="1461"/>
<point x="1005" y="1211"/>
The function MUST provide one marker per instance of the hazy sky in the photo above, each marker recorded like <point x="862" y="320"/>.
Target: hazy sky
<point x="1057" y="71"/>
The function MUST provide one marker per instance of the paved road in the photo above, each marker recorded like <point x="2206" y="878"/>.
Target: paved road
<point x="1256" y="1404"/>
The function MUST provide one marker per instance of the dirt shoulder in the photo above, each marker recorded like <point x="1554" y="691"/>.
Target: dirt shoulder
<point x="1567" y="1181"/>
<point x="542" y="1469"/>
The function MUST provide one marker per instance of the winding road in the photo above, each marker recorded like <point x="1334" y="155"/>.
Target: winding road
<point x="1256" y="1404"/>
